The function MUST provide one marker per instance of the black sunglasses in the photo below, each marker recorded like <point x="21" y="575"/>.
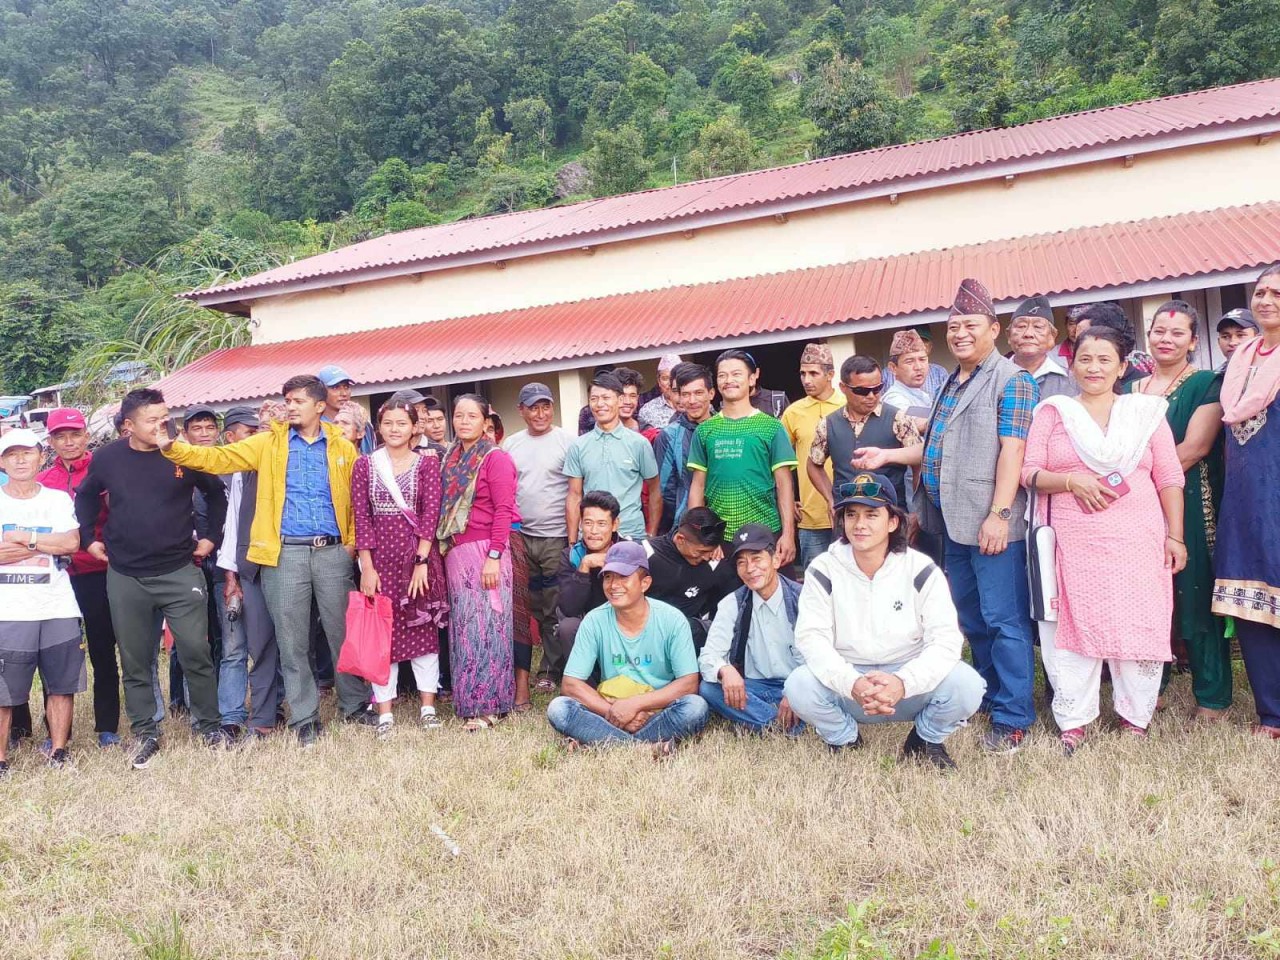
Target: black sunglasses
<point x="708" y="530"/>
<point x="862" y="488"/>
<point x="865" y="391"/>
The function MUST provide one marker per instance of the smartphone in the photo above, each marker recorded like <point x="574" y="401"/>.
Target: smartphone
<point x="1115" y="482"/>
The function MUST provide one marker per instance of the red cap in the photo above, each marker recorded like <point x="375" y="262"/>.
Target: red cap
<point x="65" y="418"/>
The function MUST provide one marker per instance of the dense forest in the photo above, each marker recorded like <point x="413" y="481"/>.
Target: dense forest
<point x="152" y="146"/>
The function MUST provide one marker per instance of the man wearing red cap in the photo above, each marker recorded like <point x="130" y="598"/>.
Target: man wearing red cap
<point x="69" y="438"/>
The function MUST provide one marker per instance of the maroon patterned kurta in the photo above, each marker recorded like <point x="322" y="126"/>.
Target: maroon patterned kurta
<point x="384" y="530"/>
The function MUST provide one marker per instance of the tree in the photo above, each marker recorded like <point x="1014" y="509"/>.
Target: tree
<point x="978" y="71"/>
<point x="616" y="161"/>
<point x="747" y="81"/>
<point x="37" y="334"/>
<point x="851" y="108"/>
<point x="531" y="123"/>
<point x="724" y="147"/>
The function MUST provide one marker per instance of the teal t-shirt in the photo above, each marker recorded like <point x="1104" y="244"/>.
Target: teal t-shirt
<point x="662" y="652"/>
<point x="739" y="457"/>
<point x="619" y="461"/>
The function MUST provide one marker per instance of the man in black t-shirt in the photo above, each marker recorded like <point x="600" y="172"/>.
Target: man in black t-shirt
<point x="688" y="572"/>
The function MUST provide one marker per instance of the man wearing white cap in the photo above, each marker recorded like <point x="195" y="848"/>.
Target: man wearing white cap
<point x="41" y="625"/>
<point x="657" y="413"/>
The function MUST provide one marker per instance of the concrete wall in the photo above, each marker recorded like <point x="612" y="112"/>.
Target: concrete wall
<point x="1191" y="179"/>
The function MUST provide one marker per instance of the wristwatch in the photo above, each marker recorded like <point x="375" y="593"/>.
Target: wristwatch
<point x="31" y="543"/>
<point x="421" y="561"/>
<point x="495" y="554"/>
<point x="1004" y="513"/>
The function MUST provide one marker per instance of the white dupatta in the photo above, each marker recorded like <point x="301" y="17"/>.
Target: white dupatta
<point x="1134" y="418"/>
<point x="380" y="460"/>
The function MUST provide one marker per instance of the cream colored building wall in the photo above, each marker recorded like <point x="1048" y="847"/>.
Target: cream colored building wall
<point x="1194" y="178"/>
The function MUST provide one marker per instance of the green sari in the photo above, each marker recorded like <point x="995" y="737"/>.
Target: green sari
<point x="1208" y="651"/>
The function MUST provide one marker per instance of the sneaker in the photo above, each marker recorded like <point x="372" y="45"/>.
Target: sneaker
<point x="916" y="746"/>
<point x="46" y="747"/>
<point x="4" y="769"/>
<point x="1003" y="739"/>
<point x="146" y="752"/>
<point x="233" y="734"/>
<point x="107" y="739"/>
<point x="60" y="758"/>
<point x="1071" y="740"/>
<point x="385" y="731"/>
<point x="361" y="718"/>
<point x="429" y="721"/>
<point x="308" y="735"/>
<point x="857" y="744"/>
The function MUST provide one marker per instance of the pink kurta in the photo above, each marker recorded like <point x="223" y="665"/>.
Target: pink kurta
<point x="1115" y="594"/>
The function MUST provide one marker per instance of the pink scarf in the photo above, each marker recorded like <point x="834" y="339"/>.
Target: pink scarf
<point x="1243" y="398"/>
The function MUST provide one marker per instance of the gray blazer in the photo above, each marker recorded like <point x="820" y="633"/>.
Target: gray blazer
<point x="970" y="450"/>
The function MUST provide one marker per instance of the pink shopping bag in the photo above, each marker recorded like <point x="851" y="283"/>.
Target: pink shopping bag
<point x="367" y="650"/>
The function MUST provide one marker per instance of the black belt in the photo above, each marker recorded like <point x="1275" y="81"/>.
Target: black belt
<point x="310" y="541"/>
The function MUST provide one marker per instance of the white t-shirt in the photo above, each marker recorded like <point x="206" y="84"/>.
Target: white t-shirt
<point x="37" y="589"/>
<point x="541" y="486"/>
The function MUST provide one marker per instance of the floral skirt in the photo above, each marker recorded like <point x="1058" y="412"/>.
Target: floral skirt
<point x="480" y="628"/>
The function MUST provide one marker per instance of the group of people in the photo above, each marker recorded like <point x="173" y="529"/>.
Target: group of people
<point x="708" y="547"/>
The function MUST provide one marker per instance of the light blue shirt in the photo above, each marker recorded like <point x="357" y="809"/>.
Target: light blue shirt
<point x="661" y="653"/>
<point x="619" y="461"/>
<point x="771" y="640"/>
<point x="308" y="500"/>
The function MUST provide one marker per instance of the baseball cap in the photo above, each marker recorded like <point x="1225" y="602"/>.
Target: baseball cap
<point x="625" y="558"/>
<point x="531" y="393"/>
<point x="1034" y="307"/>
<point x="237" y="415"/>
<point x="401" y="397"/>
<point x="1240" y="317"/>
<point x="754" y="536"/>
<point x="65" y="418"/>
<point x="199" y="410"/>
<point x="332" y="375"/>
<point x="868" y="490"/>
<point x="23" y="437"/>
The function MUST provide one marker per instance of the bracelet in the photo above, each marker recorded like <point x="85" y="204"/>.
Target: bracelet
<point x="1170" y="536"/>
<point x="419" y="561"/>
<point x="1069" y="490"/>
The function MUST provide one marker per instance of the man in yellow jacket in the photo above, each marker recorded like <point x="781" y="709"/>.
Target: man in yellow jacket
<point x="302" y="535"/>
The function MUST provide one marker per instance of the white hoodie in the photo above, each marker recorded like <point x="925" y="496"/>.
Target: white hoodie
<point x="864" y="623"/>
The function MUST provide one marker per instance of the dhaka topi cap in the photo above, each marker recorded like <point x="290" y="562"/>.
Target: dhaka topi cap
<point x="817" y="353"/>
<point x="668" y="362"/>
<point x="972" y="299"/>
<point x="904" y="341"/>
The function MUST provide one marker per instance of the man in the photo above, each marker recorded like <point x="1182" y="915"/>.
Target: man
<point x="200" y="428"/>
<point x="695" y="388"/>
<point x="741" y="460"/>
<point x="686" y="572"/>
<point x="1032" y="335"/>
<point x="153" y="562"/>
<point x="864" y="420"/>
<point x="644" y="655"/>
<point x="878" y="633"/>
<point x="247" y="631"/>
<point x="908" y="371"/>
<point x="612" y="458"/>
<point x="657" y="413"/>
<point x="578" y="583"/>
<point x="303" y="538"/>
<point x="1067" y="349"/>
<point x="69" y="438"/>
<point x="772" y="402"/>
<point x="586" y="419"/>
<point x="435" y="424"/>
<point x="751" y="648"/>
<point x="541" y="491"/>
<point x="338" y="384"/>
<point x="39" y="622"/>
<point x="1236" y="327"/>
<point x="937" y="374"/>
<point x="629" y="405"/>
<point x="800" y="420"/>
<point x="970" y="465"/>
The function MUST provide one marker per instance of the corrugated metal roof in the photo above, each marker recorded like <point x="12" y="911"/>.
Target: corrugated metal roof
<point x="1071" y="261"/>
<point x="594" y="220"/>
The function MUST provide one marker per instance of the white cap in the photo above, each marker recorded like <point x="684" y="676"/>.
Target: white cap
<point x="18" y="438"/>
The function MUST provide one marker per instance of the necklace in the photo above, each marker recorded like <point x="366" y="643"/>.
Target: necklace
<point x="1173" y="384"/>
<point x="1268" y="351"/>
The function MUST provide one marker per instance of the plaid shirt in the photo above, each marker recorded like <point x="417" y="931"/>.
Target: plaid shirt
<point x="1018" y="399"/>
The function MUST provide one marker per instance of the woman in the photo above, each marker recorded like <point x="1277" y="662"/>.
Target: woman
<point x="1248" y="548"/>
<point x="352" y="420"/>
<point x="1074" y="443"/>
<point x="1195" y="415"/>
<point x="476" y="510"/>
<point x="396" y="500"/>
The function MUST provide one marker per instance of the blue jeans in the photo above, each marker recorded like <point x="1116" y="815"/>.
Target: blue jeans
<point x="763" y="697"/>
<point x="678" y="720"/>
<point x="937" y="713"/>
<point x="233" y="668"/>
<point x="992" y="602"/>
<point x="812" y="543"/>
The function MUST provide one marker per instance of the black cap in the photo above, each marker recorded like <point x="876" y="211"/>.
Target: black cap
<point x="868" y="490"/>
<point x="1035" y="307"/>
<point x="1240" y="317"/>
<point x="246" y="415"/>
<point x="198" y="411"/>
<point x="754" y="536"/>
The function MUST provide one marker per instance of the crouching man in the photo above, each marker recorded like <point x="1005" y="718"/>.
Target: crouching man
<point x="644" y="653"/>
<point x="750" y="649"/>
<point x="878" y="633"/>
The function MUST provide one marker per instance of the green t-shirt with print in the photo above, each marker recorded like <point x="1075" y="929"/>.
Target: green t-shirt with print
<point x="739" y="457"/>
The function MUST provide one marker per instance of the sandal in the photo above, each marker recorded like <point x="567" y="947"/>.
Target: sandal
<point x="545" y="685"/>
<point x="525" y="707"/>
<point x="476" y="724"/>
<point x="1071" y="740"/>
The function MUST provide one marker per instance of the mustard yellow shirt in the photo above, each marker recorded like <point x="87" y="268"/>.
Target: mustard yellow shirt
<point x="800" y="420"/>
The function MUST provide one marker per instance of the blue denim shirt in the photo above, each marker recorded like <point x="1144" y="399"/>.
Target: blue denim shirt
<point x="308" y="501"/>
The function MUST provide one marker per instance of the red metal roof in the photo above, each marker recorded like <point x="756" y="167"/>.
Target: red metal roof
<point x="866" y="290"/>
<point x="1218" y="109"/>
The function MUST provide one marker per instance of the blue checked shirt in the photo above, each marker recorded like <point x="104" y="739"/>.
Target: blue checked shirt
<point x="308" y="501"/>
<point x="1019" y="398"/>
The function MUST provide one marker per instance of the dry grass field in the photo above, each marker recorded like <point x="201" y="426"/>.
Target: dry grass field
<point x="734" y="848"/>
